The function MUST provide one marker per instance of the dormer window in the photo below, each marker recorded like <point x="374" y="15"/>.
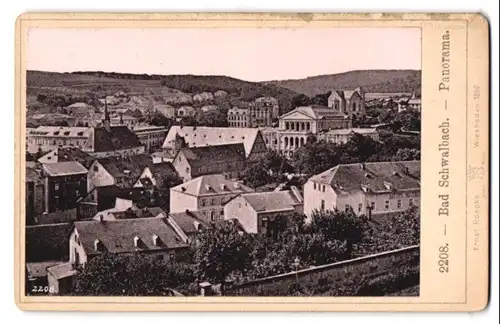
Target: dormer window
<point x="208" y="187"/>
<point x="367" y="175"/>
<point x="136" y="241"/>
<point x="223" y="187"/>
<point x="156" y="240"/>
<point x="388" y="185"/>
<point x="395" y="173"/>
<point x="97" y="245"/>
<point x="126" y="172"/>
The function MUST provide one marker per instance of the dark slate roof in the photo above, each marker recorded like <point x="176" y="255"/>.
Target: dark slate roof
<point x="70" y="154"/>
<point x="188" y="221"/>
<point x="118" y="236"/>
<point x="106" y="195"/>
<point x="47" y="242"/>
<point x="126" y="169"/>
<point x="211" y="184"/>
<point x="219" y="153"/>
<point x="116" y="138"/>
<point x="374" y="176"/>
<point x="162" y="170"/>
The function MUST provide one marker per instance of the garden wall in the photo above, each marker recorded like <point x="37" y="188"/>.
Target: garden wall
<point x="340" y="276"/>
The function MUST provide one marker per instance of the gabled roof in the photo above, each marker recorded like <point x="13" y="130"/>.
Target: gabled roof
<point x="60" y="169"/>
<point x="212" y="184"/>
<point x="188" y="221"/>
<point x="126" y="169"/>
<point x="200" y="136"/>
<point x="47" y="242"/>
<point x="118" y="236"/>
<point x="116" y="138"/>
<point x="374" y="176"/>
<point x="202" y="155"/>
<point x="272" y="201"/>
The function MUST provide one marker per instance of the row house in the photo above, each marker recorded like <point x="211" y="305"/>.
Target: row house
<point x="179" y="137"/>
<point x="47" y="138"/>
<point x="369" y="189"/>
<point x="205" y="195"/>
<point x="260" y="113"/>
<point x="259" y="212"/>
<point x="192" y="162"/>
<point x="349" y="102"/>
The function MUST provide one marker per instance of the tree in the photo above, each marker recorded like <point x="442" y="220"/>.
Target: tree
<point x="160" y="120"/>
<point x="404" y="228"/>
<point x="221" y="250"/>
<point x="406" y="154"/>
<point x="212" y="118"/>
<point x="256" y="175"/>
<point x="314" y="158"/>
<point x="130" y="275"/>
<point x="300" y="100"/>
<point x="338" y="225"/>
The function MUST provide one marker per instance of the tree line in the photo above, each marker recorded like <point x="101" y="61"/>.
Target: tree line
<point x="221" y="252"/>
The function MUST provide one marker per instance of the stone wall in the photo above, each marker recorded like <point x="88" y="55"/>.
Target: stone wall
<point x="328" y="276"/>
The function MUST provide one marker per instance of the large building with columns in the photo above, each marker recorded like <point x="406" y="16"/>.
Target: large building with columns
<point x="296" y="125"/>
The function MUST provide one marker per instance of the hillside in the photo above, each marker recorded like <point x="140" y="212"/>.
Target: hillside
<point x="160" y="88"/>
<point x="371" y="80"/>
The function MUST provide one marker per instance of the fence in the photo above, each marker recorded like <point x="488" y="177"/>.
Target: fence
<point x="332" y="275"/>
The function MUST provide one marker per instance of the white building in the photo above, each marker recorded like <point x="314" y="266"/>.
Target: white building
<point x="367" y="188"/>
<point x="341" y="136"/>
<point x="206" y="194"/>
<point x="257" y="212"/>
<point x="47" y="138"/>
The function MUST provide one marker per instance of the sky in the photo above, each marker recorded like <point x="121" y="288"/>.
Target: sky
<point x="252" y="54"/>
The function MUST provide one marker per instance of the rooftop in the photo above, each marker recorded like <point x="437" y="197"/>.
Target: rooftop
<point x="202" y="155"/>
<point x="60" y="169"/>
<point x="39" y="269"/>
<point x="188" y="221"/>
<point x="59" y="131"/>
<point x="62" y="270"/>
<point x="273" y="200"/>
<point x="67" y="154"/>
<point x="116" y="138"/>
<point x="200" y="136"/>
<point x="373" y="176"/>
<point x="209" y="185"/>
<point x="126" y="169"/>
<point x="119" y="235"/>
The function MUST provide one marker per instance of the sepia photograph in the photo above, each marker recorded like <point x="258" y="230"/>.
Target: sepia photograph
<point x="223" y="161"/>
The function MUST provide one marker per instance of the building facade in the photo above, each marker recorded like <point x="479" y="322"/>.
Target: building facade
<point x="65" y="184"/>
<point x="369" y="189"/>
<point x="205" y="195"/>
<point x="192" y="162"/>
<point x="258" y="212"/>
<point x="47" y="138"/>
<point x="342" y="136"/>
<point x="238" y="117"/>
<point x="151" y="137"/>
<point x="349" y="102"/>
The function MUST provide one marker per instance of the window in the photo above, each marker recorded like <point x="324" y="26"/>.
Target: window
<point x="347" y="208"/>
<point x="56" y="186"/>
<point x="322" y="204"/>
<point x="172" y="257"/>
<point x="315" y="186"/>
<point x="373" y="205"/>
<point x="221" y="213"/>
<point x="386" y="204"/>
<point x="399" y="203"/>
<point x="324" y="188"/>
<point x="212" y="216"/>
<point x="96" y="168"/>
<point x="360" y="207"/>
<point x="411" y="201"/>
<point x="214" y="201"/>
<point x="202" y="202"/>
<point x="264" y="222"/>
